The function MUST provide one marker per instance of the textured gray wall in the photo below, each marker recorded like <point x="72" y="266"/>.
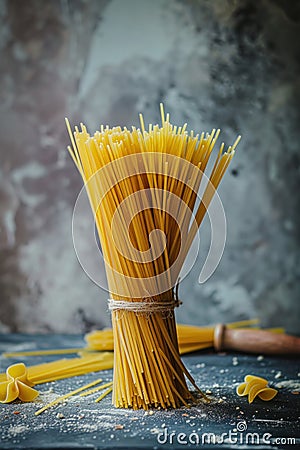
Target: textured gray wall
<point x="228" y="64"/>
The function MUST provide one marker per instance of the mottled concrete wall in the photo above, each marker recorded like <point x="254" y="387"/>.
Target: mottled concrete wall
<point x="226" y="64"/>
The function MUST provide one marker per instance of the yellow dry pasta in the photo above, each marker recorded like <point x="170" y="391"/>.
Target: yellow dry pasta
<point x="17" y="385"/>
<point x="66" y="368"/>
<point x="254" y="386"/>
<point x="65" y="396"/>
<point x="58" y="351"/>
<point x="105" y="393"/>
<point x="92" y="391"/>
<point x="138" y="182"/>
<point x="190" y="338"/>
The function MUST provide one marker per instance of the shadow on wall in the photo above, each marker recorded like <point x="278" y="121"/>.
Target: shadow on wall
<point x="232" y="65"/>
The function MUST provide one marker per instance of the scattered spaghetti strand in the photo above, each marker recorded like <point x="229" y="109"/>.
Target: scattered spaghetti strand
<point x="100" y="388"/>
<point x="105" y="393"/>
<point x="64" y="397"/>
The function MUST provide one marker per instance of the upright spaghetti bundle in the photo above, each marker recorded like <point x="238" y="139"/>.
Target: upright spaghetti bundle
<point x="142" y="186"/>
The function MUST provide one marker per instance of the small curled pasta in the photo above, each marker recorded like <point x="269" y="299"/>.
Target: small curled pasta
<point x="254" y="386"/>
<point x="17" y="385"/>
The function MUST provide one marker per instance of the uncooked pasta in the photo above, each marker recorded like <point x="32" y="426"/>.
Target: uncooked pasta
<point x="62" y="368"/>
<point x="254" y="386"/>
<point x="191" y="338"/>
<point x="142" y="185"/>
<point x="17" y="385"/>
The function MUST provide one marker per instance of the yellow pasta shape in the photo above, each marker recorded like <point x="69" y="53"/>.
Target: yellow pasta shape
<point x="267" y="394"/>
<point x="17" y="385"/>
<point x="254" y="386"/>
<point x="250" y="381"/>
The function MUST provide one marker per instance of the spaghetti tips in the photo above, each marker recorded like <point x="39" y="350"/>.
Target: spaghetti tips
<point x="143" y="189"/>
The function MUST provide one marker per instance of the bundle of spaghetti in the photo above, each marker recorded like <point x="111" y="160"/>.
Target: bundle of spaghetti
<point x="66" y="368"/>
<point x="142" y="186"/>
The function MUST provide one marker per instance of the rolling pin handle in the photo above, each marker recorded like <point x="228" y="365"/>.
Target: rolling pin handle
<point x="219" y="337"/>
<point x="255" y="341"/>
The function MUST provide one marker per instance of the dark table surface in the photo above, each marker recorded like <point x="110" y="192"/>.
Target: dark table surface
<point x="227" y="422"/>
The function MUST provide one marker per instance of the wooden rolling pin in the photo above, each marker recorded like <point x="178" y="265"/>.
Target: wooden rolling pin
<point x="255" y="341"/>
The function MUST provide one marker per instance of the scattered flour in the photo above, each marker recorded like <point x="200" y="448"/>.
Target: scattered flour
<point x="14" y="430"/>
<point x="289" y="384"/>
